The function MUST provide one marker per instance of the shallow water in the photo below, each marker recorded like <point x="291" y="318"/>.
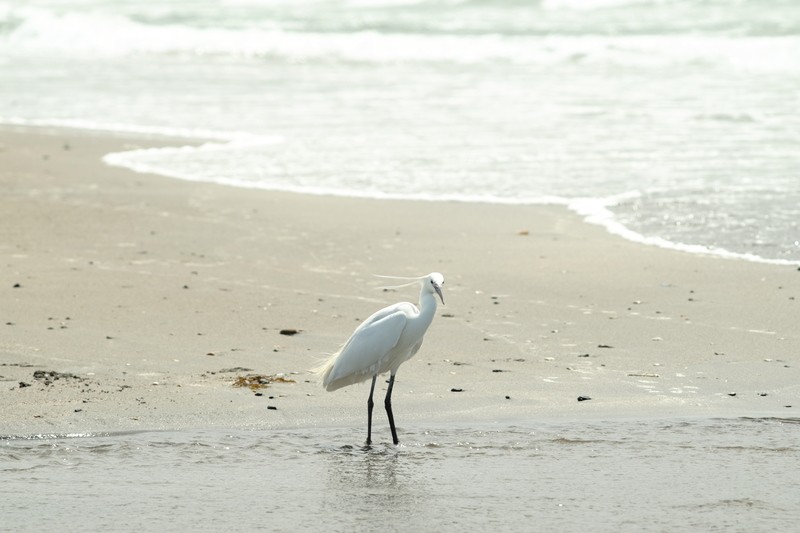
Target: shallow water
<point x="656" y="475"/>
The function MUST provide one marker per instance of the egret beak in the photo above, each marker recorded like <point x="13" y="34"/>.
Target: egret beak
<point x="439" y="292"/>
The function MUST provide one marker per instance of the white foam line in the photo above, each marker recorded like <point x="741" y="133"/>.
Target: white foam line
<point x="596" y="211"/>
<point x="593" y="210"/>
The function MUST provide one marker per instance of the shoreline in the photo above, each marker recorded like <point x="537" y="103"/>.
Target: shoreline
<point x="146" y="293"/>
<point x="591" y="210"/>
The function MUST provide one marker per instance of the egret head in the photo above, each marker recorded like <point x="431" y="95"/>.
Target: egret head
<point x="433" y="282"/>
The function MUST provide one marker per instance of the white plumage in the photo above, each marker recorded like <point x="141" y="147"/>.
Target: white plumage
<point x="382" y="343"/>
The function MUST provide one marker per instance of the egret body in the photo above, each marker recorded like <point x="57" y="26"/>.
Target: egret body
<point x="381" y="344"/>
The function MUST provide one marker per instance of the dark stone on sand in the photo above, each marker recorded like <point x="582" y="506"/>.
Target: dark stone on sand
<point x="762" y="393"/>
<point x="583" y="398"/>
<point x="508" y="397"/>
<point x="22" y="384"/>
<point x="584" y="355"/>
<point x="259" y="394"/>
<point x="272" y="408"/>
<point x="604" y="346"/>
<point x="17" y="285"/>
<point x="289" y="332"/>
<point x="731" y="394"/>
<point x="498" y="370"/>
<point x="456" y="390"/>
<point x="78" y="410"/>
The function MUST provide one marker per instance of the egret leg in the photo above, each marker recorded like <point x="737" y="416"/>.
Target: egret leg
<point x="370" y="403"/>
<point x="388" y="403"/>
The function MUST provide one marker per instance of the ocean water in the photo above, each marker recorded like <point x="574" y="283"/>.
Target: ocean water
<point x="625" y="475"/>
<point x="670" y="122"/>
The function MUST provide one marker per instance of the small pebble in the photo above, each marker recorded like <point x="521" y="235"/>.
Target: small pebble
<point x="731" y="394"/>
<point x="289" y="332"/>
<point x="583" y="398"/>
<point x="259" y="394"/>
<point x="17" y="285"/>
<point x="508" y="397"/>
<point x="272" y="408"/>
<point x="456" y="390"/>
<point x="22" y="384"/>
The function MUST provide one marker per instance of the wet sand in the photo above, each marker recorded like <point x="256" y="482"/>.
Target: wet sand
<point x="134" y="301"/>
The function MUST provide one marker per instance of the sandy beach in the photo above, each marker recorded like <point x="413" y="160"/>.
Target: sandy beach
<point x="134" y="301"/>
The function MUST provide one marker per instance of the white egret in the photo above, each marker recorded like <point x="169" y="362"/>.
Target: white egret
<point x="381" y="344"/>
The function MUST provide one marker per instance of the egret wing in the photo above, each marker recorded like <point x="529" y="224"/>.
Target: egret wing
<point x="367" y="348"/>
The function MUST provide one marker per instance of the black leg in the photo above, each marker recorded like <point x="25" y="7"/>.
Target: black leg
<point x="388" y="403"/>
<point x="370" y="403"/>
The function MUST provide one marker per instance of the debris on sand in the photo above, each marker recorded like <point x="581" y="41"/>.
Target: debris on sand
<point x="289" y="331"/>
<point x="260" y="381"/>
<point x="49" y="376"/>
